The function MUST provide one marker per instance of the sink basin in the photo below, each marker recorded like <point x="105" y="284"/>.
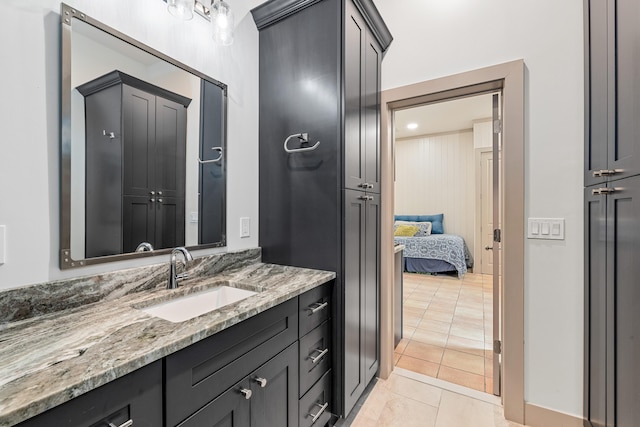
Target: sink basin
<point x="196" y="304"/>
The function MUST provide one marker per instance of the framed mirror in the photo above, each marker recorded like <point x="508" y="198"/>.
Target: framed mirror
<point x="143" y="144"/>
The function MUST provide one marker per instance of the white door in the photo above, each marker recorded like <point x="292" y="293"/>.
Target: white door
<point x="486" y="212"/>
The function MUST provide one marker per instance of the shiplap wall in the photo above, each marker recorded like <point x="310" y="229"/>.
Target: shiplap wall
<point x="436" y="174"/>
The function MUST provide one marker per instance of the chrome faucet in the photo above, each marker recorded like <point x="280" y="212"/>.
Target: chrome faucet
<point x="173" y="275"/>
<point x="144" y="247"/>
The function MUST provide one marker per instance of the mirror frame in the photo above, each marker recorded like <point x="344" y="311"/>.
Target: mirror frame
<point x="67" y="14"/>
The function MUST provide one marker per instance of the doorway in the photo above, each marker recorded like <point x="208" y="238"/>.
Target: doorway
<point x="443" y="164"/>
<point x="508" y="78"/>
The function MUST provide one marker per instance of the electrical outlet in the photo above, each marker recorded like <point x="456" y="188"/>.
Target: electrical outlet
<point x="245" y="227"/>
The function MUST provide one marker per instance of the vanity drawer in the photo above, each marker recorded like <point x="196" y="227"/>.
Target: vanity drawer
<point x="315" y="406"/>
<point x="203" y="371"/>
<point x="314" y="307"/>
<point x="315" y="355"/>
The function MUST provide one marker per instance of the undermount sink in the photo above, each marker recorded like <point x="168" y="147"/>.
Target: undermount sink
<point x="195" y="304"/>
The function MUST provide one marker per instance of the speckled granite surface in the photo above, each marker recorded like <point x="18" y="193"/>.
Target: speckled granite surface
<point x="51" y="358"/>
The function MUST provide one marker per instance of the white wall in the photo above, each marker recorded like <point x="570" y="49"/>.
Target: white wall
<point x="29" y="119"/>
<point x="436" y="174"/>
<point x="435" y="38"/>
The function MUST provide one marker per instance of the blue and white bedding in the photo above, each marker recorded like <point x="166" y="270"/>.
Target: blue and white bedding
<point x="446" y="247"/>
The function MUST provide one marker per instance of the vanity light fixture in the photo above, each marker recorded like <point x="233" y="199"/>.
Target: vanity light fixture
<point x="216" y="11"/>
<point x="222" y="22"/>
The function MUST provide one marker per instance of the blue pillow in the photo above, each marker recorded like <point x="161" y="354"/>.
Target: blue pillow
<point x="435" y="220"/>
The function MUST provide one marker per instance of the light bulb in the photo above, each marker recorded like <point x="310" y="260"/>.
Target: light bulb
<point x="222" y="22"/>
<point x="182" y="9"/>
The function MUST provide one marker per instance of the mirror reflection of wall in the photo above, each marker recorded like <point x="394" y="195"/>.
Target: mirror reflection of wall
<point x="94" y="54"/>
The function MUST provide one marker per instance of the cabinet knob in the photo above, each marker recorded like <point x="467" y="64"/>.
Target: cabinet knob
<point x="159" y="193"/>
<point x="152" y="200"/>
<point x="246" y="392"/>
<point x="261" y="381"/>
<point x="124" y="424"/>
<point x="159" y="200"/>
<point x="152" y="192"/>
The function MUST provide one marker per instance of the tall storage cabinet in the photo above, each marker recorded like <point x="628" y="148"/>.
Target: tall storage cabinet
<point x="135" y="165"/>
<point x="320" y="75"/>
<point x="612" y="214"/>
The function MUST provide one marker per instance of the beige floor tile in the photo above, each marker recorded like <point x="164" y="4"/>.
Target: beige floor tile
<point x="457" y="410"/>
<point x="477" y="348"/>
<point x="444" y="306"/>
<point x="463" y="361"/>
<point x="396" y="357"/>
<point x="437" y="315"/>
<point x="400" y="411"/>
<point x="377" y="399"/>
<point x="412" y="389"/>
<point x="411" y="321"/>
<point x="412" y="311"/>
<point x="363" y="421"/>
<point x="430" y="353"/>
<point x="467" y="332"/>
<point x="434" y="325"/>
<point x="418" y="365"/>
<point x="430" y="337"/>
<point x="401" y="345"/>
<point x="463" y="378"/>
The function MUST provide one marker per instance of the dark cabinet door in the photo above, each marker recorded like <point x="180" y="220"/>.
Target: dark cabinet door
<point x="624" y="87"/>
<point x="170" y="148"/>
<point x="230" y="409"/>
<point x="597" y="88"/>
<point x="362" y="61"/>
<point x="139" y="140"/>
<point x="354" y="249"/>
<point x="595" y="309"/>
<point x="169" y="222"/>
<point x="138" y="222"/>
<point x="371" y="287"/>
<point x="612" y="131"/>
<point x="274" y="401"/>
<point x="623" y="300"/>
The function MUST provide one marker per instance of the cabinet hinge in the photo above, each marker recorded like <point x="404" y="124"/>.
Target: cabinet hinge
<point x="497" y="346"/>
<point x="497" y="126"/>
<point x="497" y="235"/>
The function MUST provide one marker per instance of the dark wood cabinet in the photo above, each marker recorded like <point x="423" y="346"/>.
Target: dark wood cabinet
<point x="135" y="165"/>
<point x="612" y="298"/>
<point x="135" y="397"/>
<point x="612" y="213"/>
<point x="325" y="81"/>
<point x="612" y="97"/>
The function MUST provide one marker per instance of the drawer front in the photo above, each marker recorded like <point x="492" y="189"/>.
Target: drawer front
<point x="201" y="372"/>
<point x="314" y="307"/>
<point x="315" y="355"/>
<point x="315" y="406"/>
<point x="135" y="397"/>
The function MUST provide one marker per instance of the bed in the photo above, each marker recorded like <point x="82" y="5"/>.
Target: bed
<point x="436" y="252"/>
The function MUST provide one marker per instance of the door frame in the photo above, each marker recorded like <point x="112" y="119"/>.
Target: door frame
<point x="509" y="78"/>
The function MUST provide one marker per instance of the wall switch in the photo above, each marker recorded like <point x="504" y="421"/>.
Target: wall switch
<point x="193" y="217"/>
<point x="245" y="227"/>
<point x="3" y="245"/>
<point x="546" y="228"/>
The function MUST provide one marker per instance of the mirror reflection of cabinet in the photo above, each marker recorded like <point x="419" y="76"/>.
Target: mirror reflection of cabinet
<point x="135" y="165"/>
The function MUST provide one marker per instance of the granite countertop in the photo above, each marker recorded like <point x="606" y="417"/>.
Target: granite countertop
<point x="52" y="358"/>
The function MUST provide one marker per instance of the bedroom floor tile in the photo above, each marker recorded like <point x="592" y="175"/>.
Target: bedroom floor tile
<point x="448" y="325"/>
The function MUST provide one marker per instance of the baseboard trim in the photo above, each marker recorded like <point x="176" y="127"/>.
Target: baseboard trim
<point x="537" y="416"/>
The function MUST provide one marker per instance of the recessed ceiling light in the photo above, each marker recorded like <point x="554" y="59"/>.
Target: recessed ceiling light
<point x="412" y="126"/>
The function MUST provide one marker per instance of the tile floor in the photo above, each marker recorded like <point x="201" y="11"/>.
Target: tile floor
<point x="407" y="399"/>
<point x="448" y="325"/>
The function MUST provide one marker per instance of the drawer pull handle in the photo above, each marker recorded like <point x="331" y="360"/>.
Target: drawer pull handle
<point x="124" y="424"/>
<point x="261" y="381"/>
<point x="319" y="356"/>
<point x="247" y="393"/>
<point x="314" y="417"/>
<point x="314" y="308"/>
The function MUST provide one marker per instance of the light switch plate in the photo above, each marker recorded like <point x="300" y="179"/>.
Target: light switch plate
<point x="546" y="228"/>
<point x="245" y="227"/>
<point x="3" y="244"/>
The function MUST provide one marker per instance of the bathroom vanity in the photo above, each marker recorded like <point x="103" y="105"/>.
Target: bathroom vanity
<point x="262" y="361"/>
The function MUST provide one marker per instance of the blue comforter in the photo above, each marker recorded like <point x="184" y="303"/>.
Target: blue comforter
<point x="446" y="247"/>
